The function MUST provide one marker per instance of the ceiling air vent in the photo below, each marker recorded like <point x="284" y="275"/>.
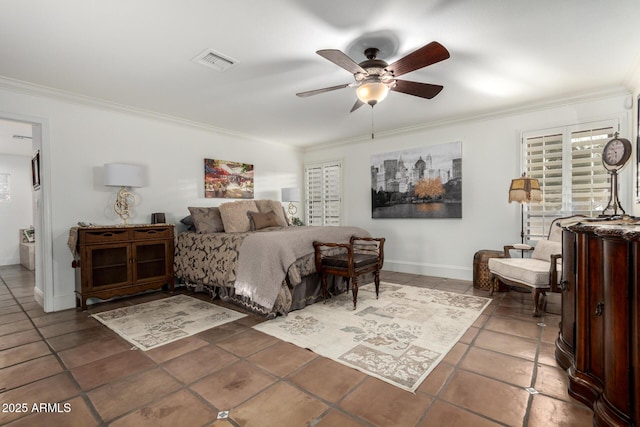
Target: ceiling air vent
<point x="215" y="60"/>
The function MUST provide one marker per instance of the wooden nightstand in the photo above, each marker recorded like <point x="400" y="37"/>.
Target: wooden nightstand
<point x="122" y="260"/>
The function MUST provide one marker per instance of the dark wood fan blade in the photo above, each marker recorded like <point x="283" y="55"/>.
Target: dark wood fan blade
<point x="323" y="90"/>
<point x="357" y="105"/>
<point x="341" y="60"/>
<point x="423" y="90"/>
<point x="426" y="55"/>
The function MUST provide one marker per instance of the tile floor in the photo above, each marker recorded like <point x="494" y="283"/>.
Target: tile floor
<point x="97" y="379"/>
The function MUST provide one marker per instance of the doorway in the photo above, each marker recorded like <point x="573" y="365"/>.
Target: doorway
<point x="21" y="139"/>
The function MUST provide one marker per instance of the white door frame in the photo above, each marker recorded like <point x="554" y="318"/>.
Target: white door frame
<point x="43" y="289"/>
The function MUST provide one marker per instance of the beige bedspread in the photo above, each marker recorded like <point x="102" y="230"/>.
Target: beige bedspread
<point x="265" y="258"/>
<point x="255" y="264"/>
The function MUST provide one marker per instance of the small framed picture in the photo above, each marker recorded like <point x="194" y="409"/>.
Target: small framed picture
<point x="35" y="170"/>
<point x="29" y="234"/>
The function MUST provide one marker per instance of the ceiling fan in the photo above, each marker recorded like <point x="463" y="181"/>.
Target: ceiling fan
<point x="374" y="78"/>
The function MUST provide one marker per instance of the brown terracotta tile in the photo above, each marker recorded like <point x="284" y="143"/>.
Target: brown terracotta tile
<point x="327" y="379"/>
<point x="23" y="353"/>
<point x="92" y="351"/>
<point x="546" y="411"/>
<point x="63" y="414"/>
<point x="455" y="354"/>
<point x="337" y="418"/>
<point x="62" y="328"/>
<point x="16" y="316"/>
<point x="32" y="370"/>
<point x="480" y="321"/>
<point x="282" y="358"/>
<point x="59" y="316"/>
<point x="279" y="405"/>
<point x="436" y="379"/>
<point x="13" y="327"/>
<point x="470" y="335"/>
<point x="57" y="388"/>
<point x="222" y="332"/>
<point x="111" y="368"/>
<point x="550" y="331"/>
<point x="513" y="327"/>
<point x="553" y="382"/>
<point x="508" y="344"/>
<point x="444" y="414"/>
<point x="19" y="338"/>
<point x="387" y="405"/>
<point x="178" y="409"/>
<point x="117" y="398"/>
<point x="174" y="349"/>
<point x="199" y="363"/>
<point x="73" y="339"/>
<point x="547" y="354"/>
<point x="502" y="367"/>
<point x="247" y="343"/>
<point x="236" y="383"/>
<point x="496" y="400"/>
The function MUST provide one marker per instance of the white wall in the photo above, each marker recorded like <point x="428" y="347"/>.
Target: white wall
<point x="490" y="159"/>
<point x="17" y="213"/>
<point x="78" y="138"/>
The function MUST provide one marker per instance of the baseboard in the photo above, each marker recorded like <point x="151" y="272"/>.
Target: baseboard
<point x="64" y="302"/>
<point x="38" y="295"/>
<point x="437" y="270"/>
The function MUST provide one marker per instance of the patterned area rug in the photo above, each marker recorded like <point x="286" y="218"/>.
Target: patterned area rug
<point x="156" y="323"/>
<point x="399" y="338"/>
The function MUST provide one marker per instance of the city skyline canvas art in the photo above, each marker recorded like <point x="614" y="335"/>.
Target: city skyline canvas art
<point x="424" y="182"/>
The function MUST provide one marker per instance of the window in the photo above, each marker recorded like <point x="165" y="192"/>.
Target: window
<point x="567" y="162"/>
<point x="5" y="188"/>
<point x="323" y="190"/>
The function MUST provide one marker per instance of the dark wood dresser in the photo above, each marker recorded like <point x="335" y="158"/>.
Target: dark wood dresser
<point x="122" y="260"/>
<point x="599" y="338"/>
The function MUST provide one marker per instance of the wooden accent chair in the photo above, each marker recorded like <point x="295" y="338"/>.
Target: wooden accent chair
<point x="539" y="273"/>
<point x="361" y="255"/>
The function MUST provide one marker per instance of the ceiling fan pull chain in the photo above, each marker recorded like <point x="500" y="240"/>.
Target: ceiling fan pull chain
<point x="372" y="135"/>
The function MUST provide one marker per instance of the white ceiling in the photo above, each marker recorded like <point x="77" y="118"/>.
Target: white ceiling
<point x="504" y="54"/>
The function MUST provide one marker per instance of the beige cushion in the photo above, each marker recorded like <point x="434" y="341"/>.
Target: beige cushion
<point x="260" y="220"/>
<point x="545" y="248"/>
<point x="207" y="220"/>
<point x="274" y="206"/>
<point x="528" y="271"/>
<point x="234" y="215"/>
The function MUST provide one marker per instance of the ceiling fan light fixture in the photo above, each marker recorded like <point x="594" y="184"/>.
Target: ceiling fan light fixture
<point x="372" y="92"/>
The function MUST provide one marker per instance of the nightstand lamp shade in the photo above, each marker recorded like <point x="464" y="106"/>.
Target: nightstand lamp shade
<point x="291" y="194"/>
<point x="123" y="175"/>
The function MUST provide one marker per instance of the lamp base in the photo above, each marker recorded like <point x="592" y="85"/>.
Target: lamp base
<point x="124" y="201"/>
<point x="292" y="210"/>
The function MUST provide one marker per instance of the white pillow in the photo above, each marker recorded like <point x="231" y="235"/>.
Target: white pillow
<point x="545" y="248"/>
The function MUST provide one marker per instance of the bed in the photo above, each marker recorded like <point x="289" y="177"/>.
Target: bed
<point x="246" y="253"/>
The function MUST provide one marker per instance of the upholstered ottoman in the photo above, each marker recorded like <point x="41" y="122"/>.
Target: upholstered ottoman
<point x="481" y="278"/>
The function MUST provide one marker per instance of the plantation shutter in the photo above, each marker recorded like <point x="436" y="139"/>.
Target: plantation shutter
<point x="568" y="164"/>
<point x="323" y="193"/>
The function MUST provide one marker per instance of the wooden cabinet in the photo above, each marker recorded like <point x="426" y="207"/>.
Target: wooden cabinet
<point x="600" y="299"/>
<point x="122" y="260"/>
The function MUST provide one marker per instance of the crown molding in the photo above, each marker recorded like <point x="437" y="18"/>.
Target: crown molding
<point x="23" y="87"/>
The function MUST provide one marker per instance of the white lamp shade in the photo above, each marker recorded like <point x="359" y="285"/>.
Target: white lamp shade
<point x="372" y="92"/>
<point x="123" y="175"/>
<point x="291" y="194"/>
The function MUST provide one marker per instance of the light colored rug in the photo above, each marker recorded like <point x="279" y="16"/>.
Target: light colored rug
<point x="399" y="338"/>
<point x="152" y="324"/>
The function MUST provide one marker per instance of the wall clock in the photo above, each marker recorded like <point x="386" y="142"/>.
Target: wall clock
<point x="615" y="155"/>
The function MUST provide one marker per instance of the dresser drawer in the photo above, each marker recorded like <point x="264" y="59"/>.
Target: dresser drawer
<point x="146" y="233"/>
<point x="104" y="236"/>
